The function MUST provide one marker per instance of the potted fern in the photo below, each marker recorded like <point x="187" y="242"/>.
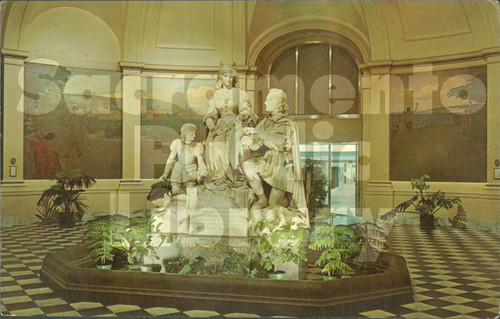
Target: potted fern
<point x="103" y="237"/>
<point x="337" y="243"/>
<point x="279" y="244"/>
<point x="66" y="196"/>
<point x="426" y="204"/>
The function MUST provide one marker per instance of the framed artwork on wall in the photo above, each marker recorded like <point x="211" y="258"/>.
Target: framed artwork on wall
<point x="72" y="119"/>
<point x="442" y="135"/>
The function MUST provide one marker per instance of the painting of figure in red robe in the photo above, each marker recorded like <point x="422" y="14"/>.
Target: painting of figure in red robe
<point x="72" y="119"/>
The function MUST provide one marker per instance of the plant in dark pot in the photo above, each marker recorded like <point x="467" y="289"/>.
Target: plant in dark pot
<point x="66" y="196"/>
<point x="337" y="244"/>
<point x="103" y="236"/>
<point x="426" y="204"/>
<point x="278" y="244"/>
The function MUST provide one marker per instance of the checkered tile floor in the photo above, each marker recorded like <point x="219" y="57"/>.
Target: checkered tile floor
<point x="455" y="274"/>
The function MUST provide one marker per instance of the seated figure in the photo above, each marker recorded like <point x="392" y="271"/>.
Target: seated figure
<point x="185" y="165"/>
<point x="275" y="145"/>
<point x="229" y="110"/>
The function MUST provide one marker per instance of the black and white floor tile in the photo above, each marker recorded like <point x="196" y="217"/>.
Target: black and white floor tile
<point x="455" y="274"/>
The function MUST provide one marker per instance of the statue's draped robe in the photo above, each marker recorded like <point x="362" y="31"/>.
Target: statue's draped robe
<point x="222" y="145"/>
<point x="280" y="165"/>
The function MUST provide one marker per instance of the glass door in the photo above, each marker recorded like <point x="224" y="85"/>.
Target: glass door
<point x="330" y="173"/>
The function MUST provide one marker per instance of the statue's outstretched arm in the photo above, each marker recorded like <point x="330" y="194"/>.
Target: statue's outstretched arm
<point x="172" y="158"/>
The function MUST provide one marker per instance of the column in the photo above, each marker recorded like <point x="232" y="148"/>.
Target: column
<point x="13" y="107"/>
<point x="130" y="193"/>
<point x="378" y="195"/>
<point x="493" y="116"/>
<point x="491" y="192"/>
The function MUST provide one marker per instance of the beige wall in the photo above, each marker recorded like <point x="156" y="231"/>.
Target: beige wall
<point x="157" y="37"/>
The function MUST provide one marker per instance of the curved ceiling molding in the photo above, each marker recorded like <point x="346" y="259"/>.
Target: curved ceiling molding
<point x="292" y="32"/>
<point x="423" y="26"/>
<point x="11" y="34"/>
<point x="72" y="34"/>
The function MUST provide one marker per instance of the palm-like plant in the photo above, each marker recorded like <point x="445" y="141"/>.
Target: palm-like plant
<point x="47" y="212"/>
<point x="66" y="194"/>
<point x="424" y="203"/>
<point x="337" y="243"/>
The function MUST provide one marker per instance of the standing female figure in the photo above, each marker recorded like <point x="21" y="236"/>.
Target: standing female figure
<point x="228" y="111"/>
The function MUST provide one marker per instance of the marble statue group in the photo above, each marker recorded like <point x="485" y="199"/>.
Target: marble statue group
<point x="243" y="163"/>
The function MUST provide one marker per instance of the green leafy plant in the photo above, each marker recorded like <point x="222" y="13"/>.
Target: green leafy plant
<point x="137" y="239"/>
<point x="337" y="243"/>
<point x="234" y="261"/>
<point x="103" y="236"/>
<point x="251" y="273"/>
<point x="424" y="203"/>
<point x="315" y="184"/>
<point x="183" y="265"/>
<point x="66" y="194"/>
<point x="47" y="211"/>
<point x="109" y="235"/>
<point x="279" y="244"/>
<point x="176" y="265"/>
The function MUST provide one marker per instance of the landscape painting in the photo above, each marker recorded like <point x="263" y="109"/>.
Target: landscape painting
<point x="72" y="119"/>
<point x="167" y="104"/>
<point x="442" y="135"/>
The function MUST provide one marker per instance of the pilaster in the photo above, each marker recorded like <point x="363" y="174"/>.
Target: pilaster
<point x="493" y="116"/>
<point x="377" y="188"/>
<point x="13" y="109"/>
<point x="130" y="193"/>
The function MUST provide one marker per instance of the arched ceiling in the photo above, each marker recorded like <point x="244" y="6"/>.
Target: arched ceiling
<point x="23" y="12"/>
<point x="380" y="30"/>
<point x="63" y="33"/>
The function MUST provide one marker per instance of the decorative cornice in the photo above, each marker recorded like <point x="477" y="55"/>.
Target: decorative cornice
<point x="482" y="54"/>
<point x="130" y="65"/>
<point x="16" y="54"/>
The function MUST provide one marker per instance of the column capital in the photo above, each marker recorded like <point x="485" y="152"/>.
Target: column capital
<point x="129" y="66"/>
<point x="492" y="59"/>
<point x="20" y="54"/>
<point x="377" y="67"/>
<point x="14" y="57"/>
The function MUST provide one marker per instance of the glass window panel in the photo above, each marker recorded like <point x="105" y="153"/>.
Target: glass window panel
<point x="283" y="76"/>
<point x="344" y="83"/>
<point x="313" y="73"/>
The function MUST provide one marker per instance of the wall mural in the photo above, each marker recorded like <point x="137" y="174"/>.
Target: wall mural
<point x="438" y="125"/>
<point x="167" y="104"/>
<point x="72" y="119"/>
